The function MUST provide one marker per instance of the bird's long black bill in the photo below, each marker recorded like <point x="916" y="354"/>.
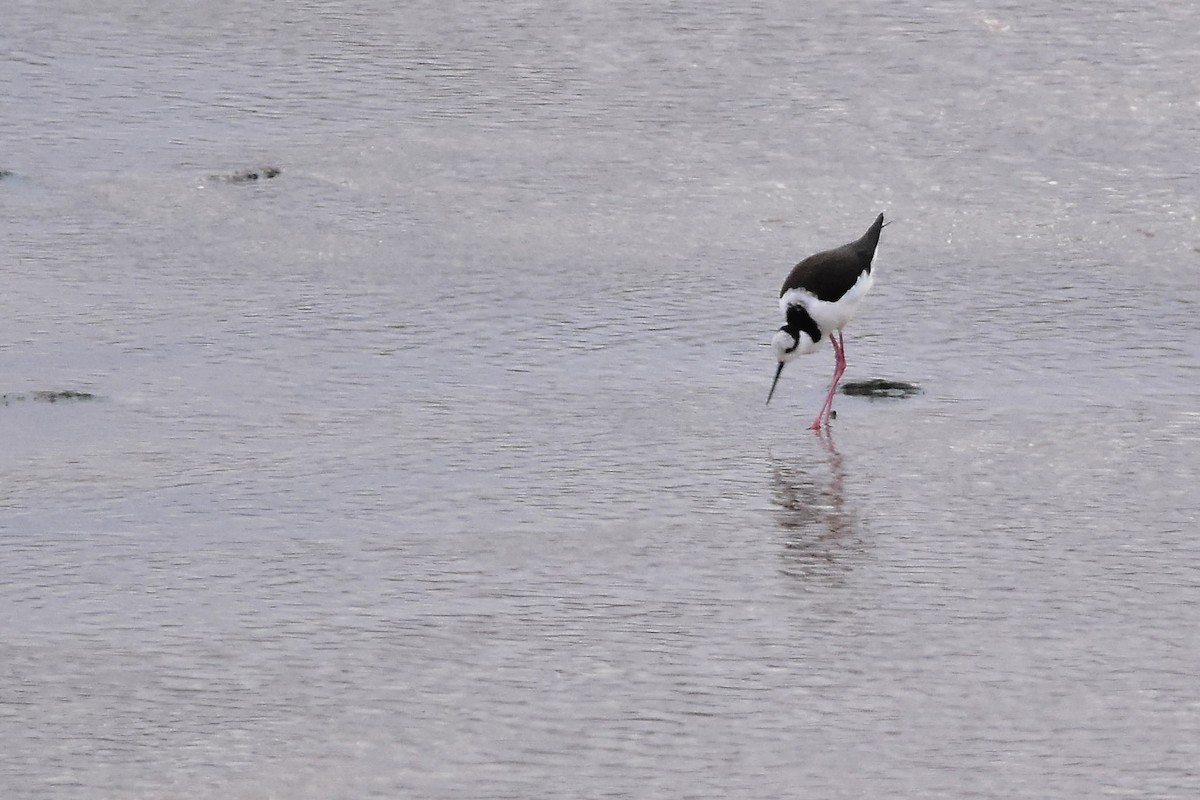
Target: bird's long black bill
<point x="771" y="393"/>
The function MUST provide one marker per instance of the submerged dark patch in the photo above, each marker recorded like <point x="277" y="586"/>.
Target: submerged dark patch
<point x="248" y="175"/>
<point x="51" y="396"/>
<point x="878" y="388"/>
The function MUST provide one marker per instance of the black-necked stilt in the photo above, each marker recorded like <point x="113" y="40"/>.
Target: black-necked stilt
<point x="817" y="300"/>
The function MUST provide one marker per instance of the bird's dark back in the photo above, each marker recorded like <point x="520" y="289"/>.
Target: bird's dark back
<point x="829" y="274"/>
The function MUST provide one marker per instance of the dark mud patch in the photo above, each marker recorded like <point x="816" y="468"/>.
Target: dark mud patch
<point x="250" y="175"/>
<point x="880" y="389"/>
<point x="48" y="396"/>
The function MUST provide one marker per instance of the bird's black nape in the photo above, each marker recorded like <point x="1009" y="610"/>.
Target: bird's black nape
<point x="771" y="393"/>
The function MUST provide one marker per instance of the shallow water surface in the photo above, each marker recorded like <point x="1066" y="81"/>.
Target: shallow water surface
<point x="439" y="464"/>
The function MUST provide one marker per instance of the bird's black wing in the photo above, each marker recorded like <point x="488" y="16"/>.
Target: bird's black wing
<point x="828" y="275"/>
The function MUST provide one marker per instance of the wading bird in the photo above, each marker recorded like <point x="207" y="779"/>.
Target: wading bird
<point x="818" y="298"/>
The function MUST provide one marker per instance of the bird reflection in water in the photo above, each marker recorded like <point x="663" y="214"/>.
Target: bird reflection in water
<point x="819" y="540"/>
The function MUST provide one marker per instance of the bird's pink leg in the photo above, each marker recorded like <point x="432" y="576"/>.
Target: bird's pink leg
<point x="839" y="352"/>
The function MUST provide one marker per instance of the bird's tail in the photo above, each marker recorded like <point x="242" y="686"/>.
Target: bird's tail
<point x="870" y="240"/>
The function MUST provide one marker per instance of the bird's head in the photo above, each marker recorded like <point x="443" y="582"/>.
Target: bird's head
<point x="786" y="346"/>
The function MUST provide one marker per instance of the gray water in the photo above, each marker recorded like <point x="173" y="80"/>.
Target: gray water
<point x="439" y="466"/>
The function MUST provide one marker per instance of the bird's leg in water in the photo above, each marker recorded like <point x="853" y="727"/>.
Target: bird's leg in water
<point x="839" y="352"/>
